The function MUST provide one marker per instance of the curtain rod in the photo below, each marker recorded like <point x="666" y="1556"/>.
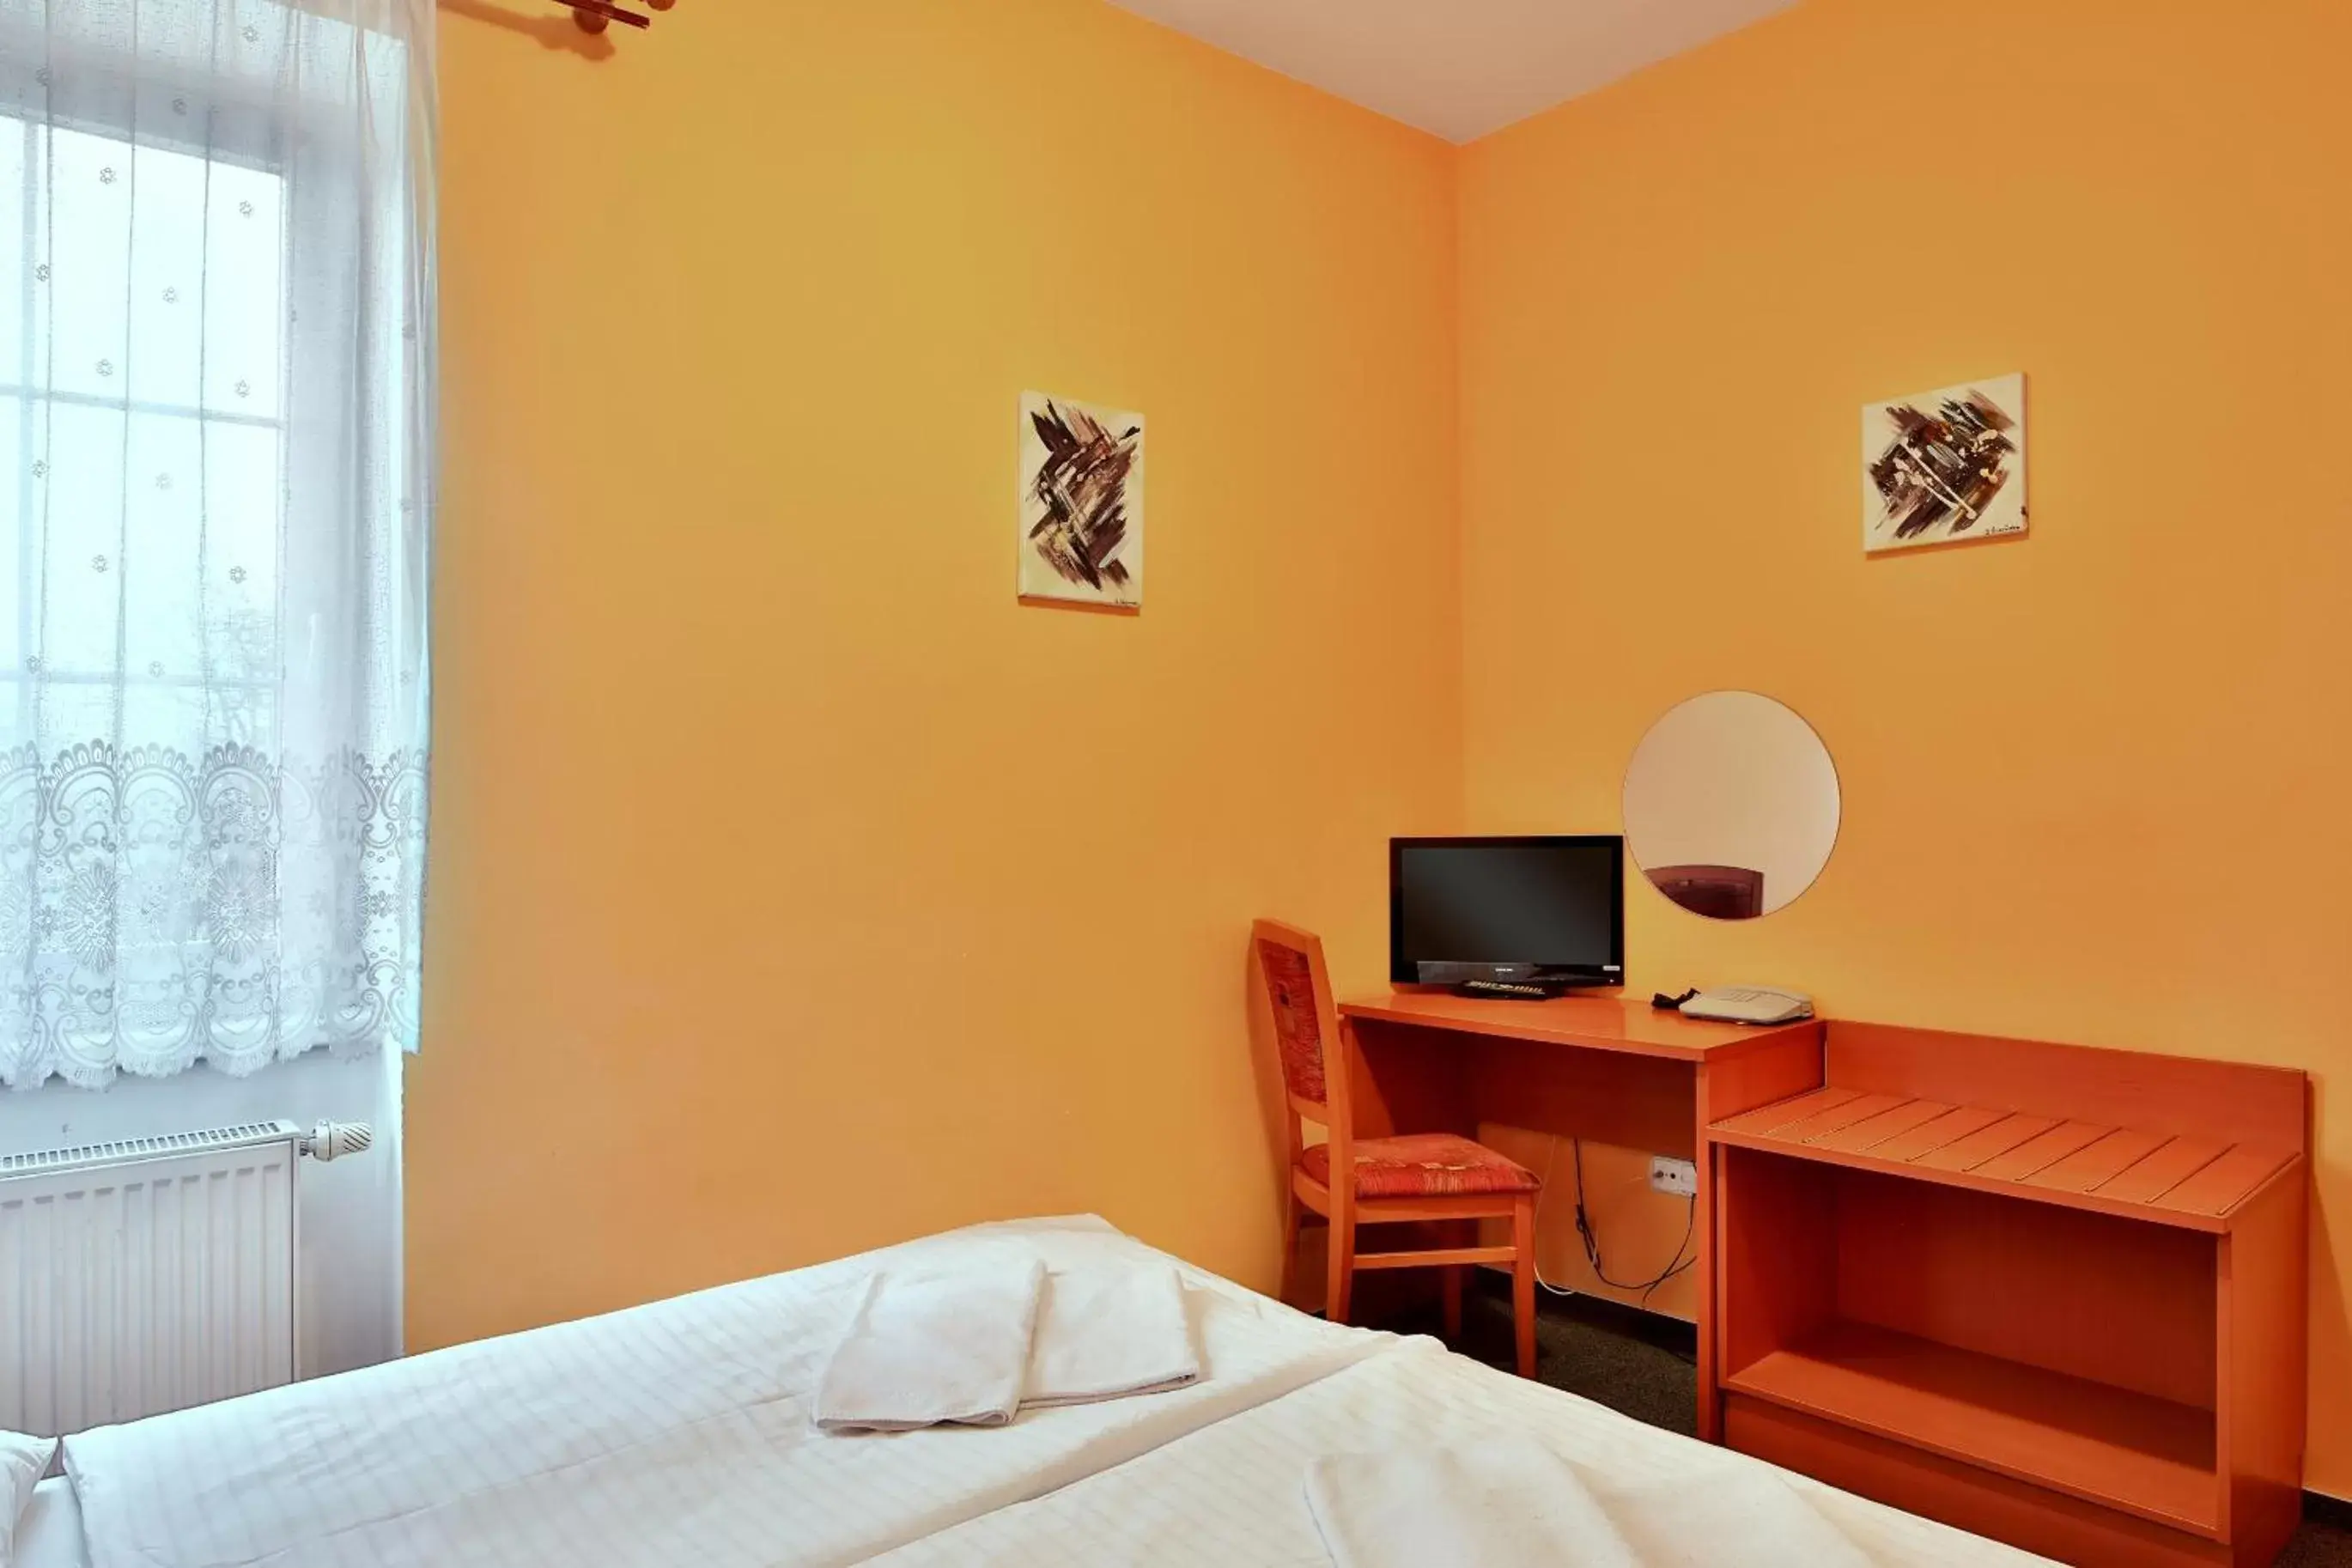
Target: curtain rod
<point x="595" y="15"/>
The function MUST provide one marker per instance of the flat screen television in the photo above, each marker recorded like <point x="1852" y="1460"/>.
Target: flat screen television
<point x="1507" y="915"/>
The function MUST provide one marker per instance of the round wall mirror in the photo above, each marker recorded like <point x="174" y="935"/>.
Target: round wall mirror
<point x="1731" y="806"/>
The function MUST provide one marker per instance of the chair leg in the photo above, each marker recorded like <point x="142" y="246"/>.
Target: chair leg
<point x="1522" y="1282"/>
<point x="1452" y="1279"/>
<point x="1341" y="1269"/>
<point x="1290" y="1208"/>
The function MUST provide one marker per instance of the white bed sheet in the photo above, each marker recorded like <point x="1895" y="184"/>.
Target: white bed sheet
<point x="675" y="1433"/>
<point x="49" y="1535"/>
<point x="1233" y="1495"/>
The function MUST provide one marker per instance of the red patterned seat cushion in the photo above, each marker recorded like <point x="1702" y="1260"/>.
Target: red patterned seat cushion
<point x="1423" y="1165"/>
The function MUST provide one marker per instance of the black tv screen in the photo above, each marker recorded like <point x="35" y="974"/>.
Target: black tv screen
<point x="1543" y="910"/>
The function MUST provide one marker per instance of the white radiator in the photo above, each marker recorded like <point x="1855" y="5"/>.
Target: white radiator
<point x="151" y="1274"/>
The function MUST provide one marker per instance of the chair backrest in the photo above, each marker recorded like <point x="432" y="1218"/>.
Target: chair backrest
<point x="1305" y="1021"/>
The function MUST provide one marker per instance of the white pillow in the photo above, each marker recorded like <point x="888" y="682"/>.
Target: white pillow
<point x="23" y="1462"/>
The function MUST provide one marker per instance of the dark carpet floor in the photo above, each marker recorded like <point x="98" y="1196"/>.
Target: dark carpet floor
<point x="1645" y="1366"/>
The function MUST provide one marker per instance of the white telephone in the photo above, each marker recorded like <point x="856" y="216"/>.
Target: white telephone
<point x="1749" y="1005"/>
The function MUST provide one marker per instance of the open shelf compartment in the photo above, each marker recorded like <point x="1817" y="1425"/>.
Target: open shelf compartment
<point x="2147" y="1455"/>
<point x="2064" y="1347"/>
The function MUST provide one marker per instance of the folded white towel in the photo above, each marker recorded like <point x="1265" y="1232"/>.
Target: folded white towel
<point x="933" y="1345"/>
<point x="1513" y="1503"/>
<point x="1105" y="1333"/>
<point x="1726" y="1513"/>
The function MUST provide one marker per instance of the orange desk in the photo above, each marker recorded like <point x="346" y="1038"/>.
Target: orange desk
<point x="1603" y="1068"/>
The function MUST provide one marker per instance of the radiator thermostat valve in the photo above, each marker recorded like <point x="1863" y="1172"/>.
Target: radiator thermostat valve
<point x="333" y="1140"/>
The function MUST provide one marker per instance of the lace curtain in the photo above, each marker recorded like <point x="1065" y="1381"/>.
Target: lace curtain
<point x="215" y="498"/>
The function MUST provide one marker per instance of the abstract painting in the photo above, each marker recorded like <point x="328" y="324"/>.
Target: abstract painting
<point x="1944" y="465"/>
<point x="1081" y="502"/>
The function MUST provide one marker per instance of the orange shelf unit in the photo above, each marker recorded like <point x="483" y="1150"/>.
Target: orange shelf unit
<point x="2051" y="1294"/>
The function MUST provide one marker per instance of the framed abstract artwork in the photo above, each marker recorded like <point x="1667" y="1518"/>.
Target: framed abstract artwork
<point x="1944" y="465"/>
<point x="1081" y="503"/>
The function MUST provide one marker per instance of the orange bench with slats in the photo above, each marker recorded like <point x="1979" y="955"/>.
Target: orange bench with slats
<point x="2175" y="1178"/>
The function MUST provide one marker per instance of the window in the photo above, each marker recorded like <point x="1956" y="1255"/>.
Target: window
<point x="141" y="419"/>
<point x="216" y="463"/>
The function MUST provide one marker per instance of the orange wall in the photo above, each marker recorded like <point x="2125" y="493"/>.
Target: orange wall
<point x="2095" y="780"/>
<point x="794" y="889"/>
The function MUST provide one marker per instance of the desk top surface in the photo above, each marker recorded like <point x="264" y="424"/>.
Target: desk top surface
<point x="1595" y="1023"/>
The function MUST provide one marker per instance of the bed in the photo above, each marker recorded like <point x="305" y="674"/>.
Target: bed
<point x="678" y="1433"/>
<point x="1229" y="1496"/>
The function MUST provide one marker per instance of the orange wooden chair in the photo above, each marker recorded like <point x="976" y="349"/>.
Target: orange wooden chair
<point x="1420" y="1176"/>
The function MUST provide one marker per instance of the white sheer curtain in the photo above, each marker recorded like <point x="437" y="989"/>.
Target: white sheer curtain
<point x="217" y="382"/>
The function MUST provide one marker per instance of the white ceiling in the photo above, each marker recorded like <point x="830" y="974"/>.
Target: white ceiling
<point x="1459" y="67"/>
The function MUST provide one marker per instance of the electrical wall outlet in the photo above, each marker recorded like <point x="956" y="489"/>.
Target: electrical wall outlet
<point x="1679" y="1177"/>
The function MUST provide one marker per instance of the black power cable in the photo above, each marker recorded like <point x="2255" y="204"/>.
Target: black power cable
<point x="1593" y="1243"/>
